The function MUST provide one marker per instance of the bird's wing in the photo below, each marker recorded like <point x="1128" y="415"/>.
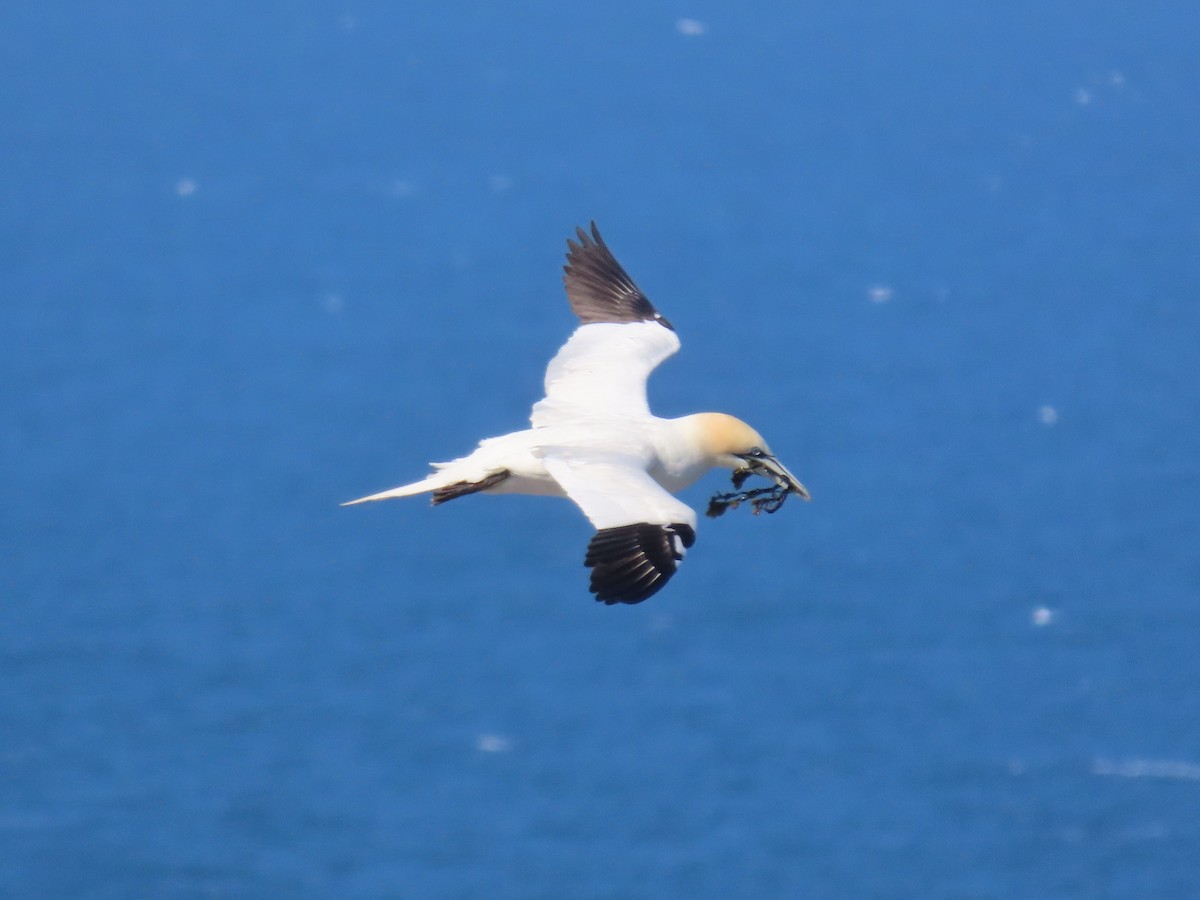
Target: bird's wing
<point x="599" y="289"/>
<point x="601" y="372"/>
<point x="642" y="532"/>
<point x="602" y="369"/>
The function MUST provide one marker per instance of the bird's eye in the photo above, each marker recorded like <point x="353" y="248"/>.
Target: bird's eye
<point x="757" y="453"/>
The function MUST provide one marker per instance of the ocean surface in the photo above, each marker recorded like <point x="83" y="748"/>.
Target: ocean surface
<point x="258" y="259"/>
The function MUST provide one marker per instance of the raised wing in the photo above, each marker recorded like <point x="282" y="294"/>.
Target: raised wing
<point x="599" y="289"/>
<point x="642" y="531"/>
<point x="601" y="372"/>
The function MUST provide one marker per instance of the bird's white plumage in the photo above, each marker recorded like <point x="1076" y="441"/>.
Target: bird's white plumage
<point x="596" y="424"/>
<point x="594" y="439"/>
<point x="601" y="373"/>
<point x="615" y="490"/>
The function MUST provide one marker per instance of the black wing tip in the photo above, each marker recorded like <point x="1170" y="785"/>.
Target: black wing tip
<point x="586" y="239"/>
<point x="599" y="289"/>
<point x="630" y="563"/>
<point x="587" y="253"/>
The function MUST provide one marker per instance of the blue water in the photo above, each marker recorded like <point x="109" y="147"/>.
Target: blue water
<point x="256" y="260"/>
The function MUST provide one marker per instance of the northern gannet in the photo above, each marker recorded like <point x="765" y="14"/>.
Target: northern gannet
<point x="595" y="441"/>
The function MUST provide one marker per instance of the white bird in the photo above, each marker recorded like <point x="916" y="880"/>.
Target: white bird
<point x="595" y="441"/>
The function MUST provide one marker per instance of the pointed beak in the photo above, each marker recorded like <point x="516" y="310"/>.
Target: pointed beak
<point x="773" y="468"/>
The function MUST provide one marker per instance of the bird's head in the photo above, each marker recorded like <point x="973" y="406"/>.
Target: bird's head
<point x="733" y="444"/>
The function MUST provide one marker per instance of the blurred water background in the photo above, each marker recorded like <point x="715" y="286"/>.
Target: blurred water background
<point x="259" y="259"/>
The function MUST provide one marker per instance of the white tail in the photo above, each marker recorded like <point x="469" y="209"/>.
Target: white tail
<point x="487" y="466"/>
<point x="433" y="482"/>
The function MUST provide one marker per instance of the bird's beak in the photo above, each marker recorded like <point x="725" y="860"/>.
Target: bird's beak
<point x="773" y="468"/>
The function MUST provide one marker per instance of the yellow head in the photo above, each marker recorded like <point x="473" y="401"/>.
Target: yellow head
<point x="731" y="443"/>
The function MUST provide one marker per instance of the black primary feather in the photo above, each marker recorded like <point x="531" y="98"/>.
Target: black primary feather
<point x="599" y="289"/>
<point x="632" y="562"/>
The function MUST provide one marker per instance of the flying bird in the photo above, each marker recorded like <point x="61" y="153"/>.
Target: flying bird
<point x="594" y="440"/>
